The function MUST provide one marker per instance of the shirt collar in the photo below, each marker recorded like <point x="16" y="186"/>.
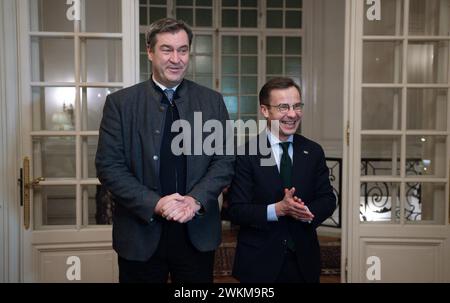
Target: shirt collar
<point x="273" y="140"/>
<point x="164" y="87"/>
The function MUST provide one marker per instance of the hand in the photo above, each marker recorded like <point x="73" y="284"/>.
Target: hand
<point x="306" y="214"/>
<point x="186" y="213"/>
<point x="293" y="206"/>
<point x="167" y="204"/>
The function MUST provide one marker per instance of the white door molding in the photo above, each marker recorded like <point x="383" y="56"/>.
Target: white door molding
<point x="9" y="142"/>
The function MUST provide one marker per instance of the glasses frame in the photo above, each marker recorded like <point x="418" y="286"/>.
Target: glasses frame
<point x="288" y="107"/>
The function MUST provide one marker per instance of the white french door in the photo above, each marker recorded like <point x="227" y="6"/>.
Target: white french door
<point x="399" y="87"/>
<point x="72" y="54"/>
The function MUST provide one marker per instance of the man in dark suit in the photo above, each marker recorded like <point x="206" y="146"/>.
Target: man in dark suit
<point x="166" y="217"/>
<point x="279" y="207"/>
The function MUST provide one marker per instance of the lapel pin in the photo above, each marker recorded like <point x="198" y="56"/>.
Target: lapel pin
<point x="306" y="152"/>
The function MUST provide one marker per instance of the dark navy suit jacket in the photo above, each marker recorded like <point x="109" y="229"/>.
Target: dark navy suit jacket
<point x="261" y="244"/>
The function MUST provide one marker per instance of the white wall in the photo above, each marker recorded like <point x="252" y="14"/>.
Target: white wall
<point x="9" y="136"/>
<point x="324" y="67"/>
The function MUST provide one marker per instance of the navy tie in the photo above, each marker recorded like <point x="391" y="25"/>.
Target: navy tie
<point x="169" y="94"/>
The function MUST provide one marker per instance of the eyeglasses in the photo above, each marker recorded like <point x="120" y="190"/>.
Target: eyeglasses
<point x="284" y="107"/>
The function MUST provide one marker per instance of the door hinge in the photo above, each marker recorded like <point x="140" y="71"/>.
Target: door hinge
<point x="347" y="133"/>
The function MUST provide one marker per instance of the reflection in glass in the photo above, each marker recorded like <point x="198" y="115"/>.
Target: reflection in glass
<point x="54" y="205"/>
<point x="427" y="154"/>
<point x="52" y="59"/>
<point x="203" y="44"/>
<point x="391" y="21"/>
<point x="205" y="81"/>
<point x="249" y="45"/>
<point x="380" y="155"/>
<point x="103" y="60"/>
<point x="203" y="64"/>
<point x="248" y="105"/>
<point x="98" y="205"/>
<point x="53" y="108"/>
<point x="230" y="65"/>
<point x="381" y="108"/>
<point x="379" y="202"/>
<point x="426" y="109"/>
<point x="274" y="65"/>
<point x="54" y="157"/>
<point x="429" y="17"/>
<point x="231" y="104"/>
<point x="382" y="62"/>
<point x="248" y="85"/>
<point x="293" y="66"/>
<point x="229" y="85"/>
<point x="428" y="62"/>
<point x="249" y="65"/>
<point x="229" y="44"/>
<point x="103" y="16"/>
<point x="425" y="203"/>
<point x="49" y="16"/>
<point x="88" y="150"/>
<point x="92" y="102"/>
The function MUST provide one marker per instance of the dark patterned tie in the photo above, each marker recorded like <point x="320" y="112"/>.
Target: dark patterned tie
<point x="286" y="165"/>
<point x="169" y="94"/>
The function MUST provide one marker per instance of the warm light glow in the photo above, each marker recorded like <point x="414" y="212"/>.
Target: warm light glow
<point x="65" y="95"/>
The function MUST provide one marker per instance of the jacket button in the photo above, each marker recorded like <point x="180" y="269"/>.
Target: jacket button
<point x="155" y="157"/>
<point x="284" y="242"/>
<point x="161" y="108"/>
<point x="157" y="132"/>
<point x="151" y="219"/>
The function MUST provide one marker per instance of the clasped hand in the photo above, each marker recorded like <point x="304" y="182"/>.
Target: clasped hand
<point x="293" y="206"/>
<point x="177" y="208"/>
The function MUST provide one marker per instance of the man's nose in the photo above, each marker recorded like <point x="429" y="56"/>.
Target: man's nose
<point x="291" y="112"/>
<point x="174" y="57"/>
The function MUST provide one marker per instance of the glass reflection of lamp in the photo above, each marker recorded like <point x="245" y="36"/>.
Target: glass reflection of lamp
<point x="64" y="120"/>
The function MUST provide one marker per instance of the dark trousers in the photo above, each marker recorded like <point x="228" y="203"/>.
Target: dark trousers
<point x="175" y="255"/>
<point x="290" y="271"/>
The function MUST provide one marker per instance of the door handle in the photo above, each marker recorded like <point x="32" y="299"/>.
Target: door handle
<point x="27" y="186"/>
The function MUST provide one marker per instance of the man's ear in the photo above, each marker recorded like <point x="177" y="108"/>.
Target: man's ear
<point x="264" y="111"/>
<point x="150" y="54"/>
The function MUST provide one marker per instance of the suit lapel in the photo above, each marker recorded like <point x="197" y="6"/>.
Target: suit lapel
<point x="270" y="172"/>
<point x="300" y="160"/>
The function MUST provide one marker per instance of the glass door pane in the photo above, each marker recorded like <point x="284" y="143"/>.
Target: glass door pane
<point x="90" y="68"/>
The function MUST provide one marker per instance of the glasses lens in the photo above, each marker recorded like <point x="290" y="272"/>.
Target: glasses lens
<point x="298" y="106"/>
<point x="283" y="108"/>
